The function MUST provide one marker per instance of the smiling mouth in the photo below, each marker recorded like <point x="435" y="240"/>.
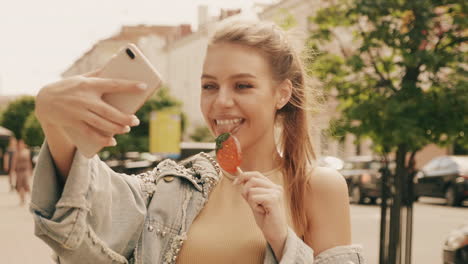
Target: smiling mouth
<point x="228" y="125"/>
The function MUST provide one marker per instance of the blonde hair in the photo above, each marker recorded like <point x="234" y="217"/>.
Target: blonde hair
<point x="295" y="141"/>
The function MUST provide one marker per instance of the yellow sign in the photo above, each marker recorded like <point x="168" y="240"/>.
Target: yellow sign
<point x="165" y="132"/>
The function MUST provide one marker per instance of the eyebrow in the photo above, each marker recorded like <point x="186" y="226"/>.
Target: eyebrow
<point x="239" y="75"/>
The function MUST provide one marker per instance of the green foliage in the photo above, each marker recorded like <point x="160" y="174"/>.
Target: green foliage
<point x="285" y="19"/>
<point x="202" y="134"/>
<point x="138" y="138"/>
<point x="32" y="132"/>
<point x="402" y="81"/>
<point x="16" y="113"/>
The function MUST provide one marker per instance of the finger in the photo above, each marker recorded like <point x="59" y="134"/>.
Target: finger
<point x="105" y="125"/>
<point x="246" y="176"/>
<point x="94" y="136"/>
<point x="264" y="200"/>
<point x="256" y="207"/>
<point x="116" y="85"/>
<point x="109" y="112"/>
<point x="259" y="209"/>
<point x="260" y="203"/>
<point x="243" y="177"/>
<point x="258" y="182"/>
<point x="247" y="193"/>
<point x="93" y="73"/>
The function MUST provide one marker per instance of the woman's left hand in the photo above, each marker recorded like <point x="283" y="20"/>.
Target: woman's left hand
<point x="267" y="203"/>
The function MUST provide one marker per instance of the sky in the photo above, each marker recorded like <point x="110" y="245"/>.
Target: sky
<point x="40" y="39"/>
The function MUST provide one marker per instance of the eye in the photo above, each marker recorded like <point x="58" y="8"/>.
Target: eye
<point x="208" y="86"/>
<point x="243" y="85"/>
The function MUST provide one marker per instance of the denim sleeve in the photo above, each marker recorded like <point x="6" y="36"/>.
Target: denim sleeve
<point x="96" y="217"/>
<point x="351" y="254"/>
<point x="297" y="252"/>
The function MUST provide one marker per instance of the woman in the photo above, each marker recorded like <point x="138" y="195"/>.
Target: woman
<point x="23" y="170"/>
<point x="281" y="209"/>
<point x="8" y="159"/>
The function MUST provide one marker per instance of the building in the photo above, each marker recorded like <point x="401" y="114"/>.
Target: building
<point x="150" y="39"/>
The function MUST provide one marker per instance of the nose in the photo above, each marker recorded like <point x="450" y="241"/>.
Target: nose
<point x="224" y="98"/>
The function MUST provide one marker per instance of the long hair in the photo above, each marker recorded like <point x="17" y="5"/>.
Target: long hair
<point x="294" y="144"/>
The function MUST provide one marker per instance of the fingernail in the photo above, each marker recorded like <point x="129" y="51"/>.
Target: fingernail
<point x="113" y="142"/>
<point x="135" y="121"/>
<point x="142" y="86"/>
<point x="126" y="129"/>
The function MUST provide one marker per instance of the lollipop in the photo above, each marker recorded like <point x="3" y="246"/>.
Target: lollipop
<point x="228" y="152"/>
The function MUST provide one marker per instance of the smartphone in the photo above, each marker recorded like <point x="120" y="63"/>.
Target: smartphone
<point x="130" y="64"/>
<point x="127" y="64"/>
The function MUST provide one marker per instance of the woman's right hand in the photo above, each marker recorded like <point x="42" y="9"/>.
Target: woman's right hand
<point x="76" y="103"/>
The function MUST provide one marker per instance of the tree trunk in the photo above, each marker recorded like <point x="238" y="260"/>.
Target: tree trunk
<point x="385" y="198"/>
<point x="395" y="211"/>
<point x="401" y="211"/>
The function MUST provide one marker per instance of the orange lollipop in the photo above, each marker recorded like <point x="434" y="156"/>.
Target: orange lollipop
<point x="228" y="152"/>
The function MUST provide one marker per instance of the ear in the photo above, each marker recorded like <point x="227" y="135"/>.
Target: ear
<point x="284" y="93"/>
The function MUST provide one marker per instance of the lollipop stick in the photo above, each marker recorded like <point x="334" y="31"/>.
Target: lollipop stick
<point x="236" y="180"/>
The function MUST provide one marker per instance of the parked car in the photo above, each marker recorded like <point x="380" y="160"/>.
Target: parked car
<point x="363" y="175"/>
<point x="455" y="250"/>
<point x="444" y="177"/>
<point x="132" y="162"/>
<point x="331" y="162"/>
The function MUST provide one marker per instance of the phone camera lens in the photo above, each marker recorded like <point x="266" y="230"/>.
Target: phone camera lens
<point x="130" y="53"/>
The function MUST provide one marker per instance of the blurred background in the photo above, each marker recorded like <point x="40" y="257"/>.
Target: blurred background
<point x="392" y="117"/>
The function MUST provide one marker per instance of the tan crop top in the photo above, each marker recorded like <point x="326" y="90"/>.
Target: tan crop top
<point x="225" y="230"/>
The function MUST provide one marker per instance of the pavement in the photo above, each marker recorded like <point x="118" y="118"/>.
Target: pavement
<point x="432" y="222"/>
<point x="18" y="245"/>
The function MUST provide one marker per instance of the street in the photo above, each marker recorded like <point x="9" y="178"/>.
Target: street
<point x="432" y="222"/>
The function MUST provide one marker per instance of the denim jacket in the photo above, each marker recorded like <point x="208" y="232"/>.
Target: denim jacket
<point x="100" y="216"/>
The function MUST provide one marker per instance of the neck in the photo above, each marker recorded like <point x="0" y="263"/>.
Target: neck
<point x="261" y="156"/>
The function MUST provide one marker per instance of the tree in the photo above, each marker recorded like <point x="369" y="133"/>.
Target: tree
<point x="32" y="132"/>
<point x="401" y="81"/>
<point x="15" y="115"/>
<point x="138" y="138"/>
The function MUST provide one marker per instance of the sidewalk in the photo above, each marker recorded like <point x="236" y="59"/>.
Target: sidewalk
<point x="18" y="245"/>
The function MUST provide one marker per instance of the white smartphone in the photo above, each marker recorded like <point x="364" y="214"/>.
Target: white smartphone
<point x="130" y="64"/>
<point x="127" y="64"/>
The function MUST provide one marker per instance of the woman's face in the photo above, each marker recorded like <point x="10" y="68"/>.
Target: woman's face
<point x="238" y="93"/>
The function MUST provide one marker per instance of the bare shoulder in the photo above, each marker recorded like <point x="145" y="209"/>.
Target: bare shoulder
<point x="327" y="206"/>
<point x="325" y="180"/>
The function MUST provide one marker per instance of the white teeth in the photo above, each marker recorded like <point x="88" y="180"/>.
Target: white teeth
<point x="228" y="121"/>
